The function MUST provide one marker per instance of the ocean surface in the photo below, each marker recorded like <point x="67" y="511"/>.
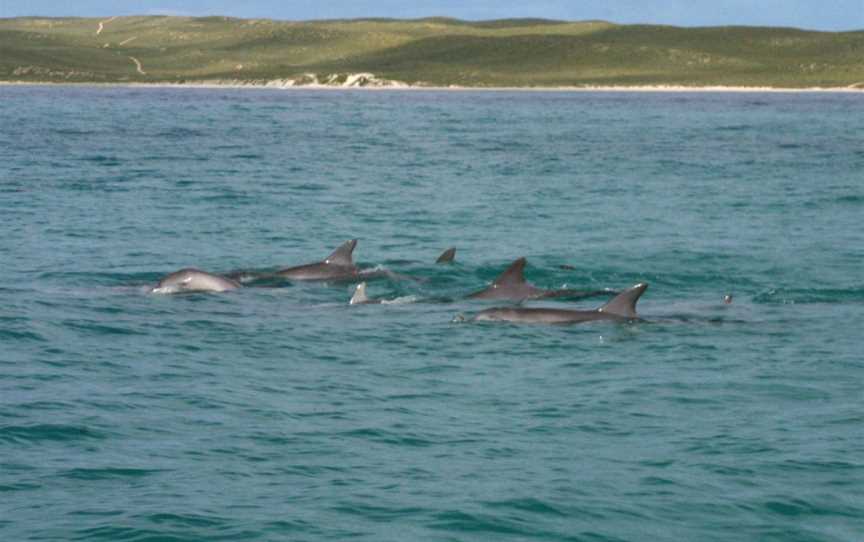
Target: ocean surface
<point x="282" y="413"/>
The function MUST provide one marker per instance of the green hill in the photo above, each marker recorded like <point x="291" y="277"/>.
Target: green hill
<point x="436" y="51"/>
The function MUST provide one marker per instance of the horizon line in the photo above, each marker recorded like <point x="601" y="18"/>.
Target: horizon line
<point x="541" y="20"/>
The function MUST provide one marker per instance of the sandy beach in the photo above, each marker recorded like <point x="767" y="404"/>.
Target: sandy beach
<point x="269" y="85"/>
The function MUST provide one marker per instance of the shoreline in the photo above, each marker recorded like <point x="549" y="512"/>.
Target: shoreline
<point x="263" y="85"/>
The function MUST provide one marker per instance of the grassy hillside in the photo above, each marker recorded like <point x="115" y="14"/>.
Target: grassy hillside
<point x="438" y="51"/>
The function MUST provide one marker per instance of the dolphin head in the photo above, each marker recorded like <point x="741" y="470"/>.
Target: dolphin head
<point x="192" y="280"/>
<point x="174" y="283"/>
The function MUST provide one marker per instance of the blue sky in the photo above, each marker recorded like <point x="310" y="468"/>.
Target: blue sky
<point x="813" y="14"/>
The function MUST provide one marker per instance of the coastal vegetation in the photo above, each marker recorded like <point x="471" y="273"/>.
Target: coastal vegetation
<point x="433" y="52"/>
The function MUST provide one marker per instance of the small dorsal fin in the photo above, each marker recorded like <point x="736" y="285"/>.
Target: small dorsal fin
<point x="624" y="304"/>
<point x="359" y="295"/>
<point x="515" y="274"/>
<point x="343" y="254"/>
<point x="447" y="256"/>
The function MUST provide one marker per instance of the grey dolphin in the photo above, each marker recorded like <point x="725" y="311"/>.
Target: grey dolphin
<point x="622" y="308"/>
<point x="193" y="280"/>
<point x="360" y="297"/>
<point x="511" y="284"/>
<point x="339" y="265"/>
<point x="447" y="256"/>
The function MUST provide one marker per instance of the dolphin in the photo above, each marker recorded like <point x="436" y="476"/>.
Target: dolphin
<point x="447" y="256"/>
<point x="193" y="280"/>
<point x="339" y="265"/>
<point x="511" y="284"/>
<point x="360" y="297"/>
<point x="622" y="308"/>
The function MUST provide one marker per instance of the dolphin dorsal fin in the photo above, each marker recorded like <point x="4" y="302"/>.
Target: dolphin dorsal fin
<point x="624" y="304"/>
<point x="359" y="295"/>
<point x="447" y="256"/>
<point x="343" y="254"/>
<point x="515" y="274"/>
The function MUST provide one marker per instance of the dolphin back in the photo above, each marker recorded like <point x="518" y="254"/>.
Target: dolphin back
<point x="624" y="304"/>
<point x="447" y="256"/>
<point x="191" y="279"/>
<point x="513" y="275"/>
<point x="359" y="296"/>
<point x="510" y="284"/>
<point x="343" y="255"/>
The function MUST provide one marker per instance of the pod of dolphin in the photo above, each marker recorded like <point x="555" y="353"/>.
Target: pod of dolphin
<point x="510" y="286"/>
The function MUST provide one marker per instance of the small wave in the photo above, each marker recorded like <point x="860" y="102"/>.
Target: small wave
<point x="801" y="507"/>
<point x="458" y="521"/>
<point x="107" y="473"/>
<point x="45" y="405"/>
<point x="401" y="300"/>
<point x="377" y="435"/>
<point x="232" y="198"/>
<point x="180" y="132"/>
<point x="789" y="296"/>
<point x="8" y="334"/>
<point x="735" y="128"/>
<point x="73" y="132"/>
<point x="310" y="187"/>
<point x="854" y="199"/>
<point x="817" y="466"/>
<point x="528" y="505"/>
<point x="101" y="329"/>
<point x="47" y="432"/>
<point x="99" y="277"/>
<point x="117" y="532"/>
<point x="102" y="160"/>
<point x="18" y="486"/>
<point x="374" y="270"/>
<point x="657" y="481"/>
<point x="379" y="513"/>
<point x="189" y="520"/>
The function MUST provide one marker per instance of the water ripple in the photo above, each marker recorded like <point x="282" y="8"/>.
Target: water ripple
<point x="279" y="412"/>
<point x="48" y="432"/>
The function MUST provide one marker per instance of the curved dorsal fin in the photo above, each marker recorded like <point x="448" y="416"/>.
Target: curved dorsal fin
<point x="624" y="304"/>
<point x="515" y="274"/>
<point x="447" y="256"/>
<point x="359" y="295"/>
<point x="343" y="254"/>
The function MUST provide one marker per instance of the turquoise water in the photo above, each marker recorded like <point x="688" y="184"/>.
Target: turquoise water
<point x="282" y="413"/>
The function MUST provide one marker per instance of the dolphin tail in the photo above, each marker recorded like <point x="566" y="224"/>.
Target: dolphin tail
<point x="624" y="304"/>
<point x="343" y="255"/>
<point x="359" y="296"/>
<point x="447" y="256"/>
